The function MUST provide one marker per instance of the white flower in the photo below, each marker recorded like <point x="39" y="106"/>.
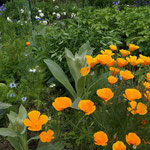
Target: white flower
<point x="22" y="11"/>
<point x="56" y="7"/>
<point x="45" y="22"/>
<point x="64" y="13"/>
<point x="32" y="70"/>
<point x="41" y="15"/>
<point x="53" y="0"/>
<point x="8" y="19"/>
<point x="58" y="15"/>
<point x="73" y="15"/>
<point x="37" y="17"/>
<point x="39" y="11"/>
<point x="52" y="85"/>
<point x="26" y="22"/>
<point x="53" y="13"/>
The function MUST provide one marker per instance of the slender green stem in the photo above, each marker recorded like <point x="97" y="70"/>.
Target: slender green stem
<point x="30" y="10"/>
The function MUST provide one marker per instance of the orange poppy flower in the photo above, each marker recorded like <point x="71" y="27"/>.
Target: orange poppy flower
<point x="104" y="59"/>
<point x="35" y="121"/>
<point x="119" y="145"/>
<point x="133" y="47"/>
<point x="113" y="70"/>
<point x="46" y="136"/>
<point x="126" y="75"/>
<point x="145" y="59"/>
<point x="121" y="62"/>
<point x="132" y="138"/>
<point x="113" y="47"/>
<point x="62" y="103"/>
<point x="148" y="77"/>
<point x="111" y="63"/>
<point x="147" y="95"/>
<point x="85" y="71"/>
<point x="112" y="79"/>
<point x="105" y="94"/>
<point x="91" y="61"/>
<point x="100" y="138"/>
<point x="124" y="53"/>
<point x="132" y="94"/>
<point x="139" y="108"/>
<point x="146" y="85"/>
<point x="27" y="43"/>
<point x="87" y="106"/>
<point x="107" y="52"/>
<point x="134" y="61"/>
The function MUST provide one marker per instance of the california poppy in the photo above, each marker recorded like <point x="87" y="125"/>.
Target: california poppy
<point x="27" y="43"/>
<point x="145" y="59"/>
<point x="100" y="138"/>
<point x="134" y="61"/>
<point x="146" y="85"/>
<point x="35" y="121"/>
<point x="147" y="95"/>
<point x="133" y="47"/>
<point x="114" y="70"/>
<point x="113" y="47"/>
<point x="107" y="52"/>
<point x="85" y="71"/>
<point x="133" y="138"/>
<point x="124" y="53"/>
<point x="104" y="59"/>
<point x="61" y="103"/>
<point x="148" y="77"/>
<point x="119" y="145"/>
<point x="112" y="79"/>
<point x="105" y="94"/>
<point x="126" y="75"/>
<point x="87" y="106"/>
<point x="121" y="62"/>
<point x="132" y="94"/>
<point x="46" y="136"/>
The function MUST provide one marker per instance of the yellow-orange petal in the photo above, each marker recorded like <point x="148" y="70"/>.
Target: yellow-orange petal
<point x="34" y="115"/>
<point x="124" y="53"/>
<point x="133" y="47"/>
<point x="126" y="75"/>
<point x="85" y="71"/>
<point x="113" y="47"/>
<point x="43" y="119"/>
<point x="146" y="85"/>
<point x="122" y="62"/>
<point x="113" y="70"/>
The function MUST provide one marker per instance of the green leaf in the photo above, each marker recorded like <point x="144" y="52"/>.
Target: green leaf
<point x="59" y="74"/>
<point x="4" y="105"/>
<point x="7" y="132"/>
<point x="75" y="103"/>
<point x="22" y="113"/>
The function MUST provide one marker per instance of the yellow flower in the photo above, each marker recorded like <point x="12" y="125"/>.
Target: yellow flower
<point x="119" y="145"/>
<point x="105" y="94"/>
<point x="112" y="79"/>
<point x="87" y="106"/>
<point x="133" y="47"/>
<point x="46" y="136"/>
<point x="85" y="71"/>
<point x="122" y="62"/>
<point x="124" y="53"/>
<point x="147" y="95"/>
<point x="132" y="94"/>
<point x="35" y="121"/>
<point x="104" y="59"/>
<point x="113" y="47"/>
<point x="146" y="85"/>
<point x="113" y="70"/>
<point x="148" y="77"/>
<point x="27" y="43"/>
<point x="134" y="61"/>
<point x="62" y="103"/>
<point x="100" y="138"/>
<point x="91" y="61"/>
<point x="145" y="59"/>
<point x="107" y="52"/>
<point x="126" y="75"/>
<point x="139" y="108"/>
<point x="132" y="138"/>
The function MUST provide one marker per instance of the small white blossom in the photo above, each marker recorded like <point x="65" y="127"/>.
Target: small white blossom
<point x="41" y="15"/>
<point x="32" y="70"/>
<point x="37" y="17"/>
<point x="64" y="13"/>
<point x="73" y="15"/>
<point x="39" y="11"/>
<point x="8" y="19"/>
<point x="52" y="85"/>
<point x="26" y="22"/>
<point x="22" y="11"/>
<point x="56" y="7"/>
<point x="45" y="22"/>
<point x="53" y="13"/>
<point x="53" y="0"/>
<point x="58" y="15"/>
